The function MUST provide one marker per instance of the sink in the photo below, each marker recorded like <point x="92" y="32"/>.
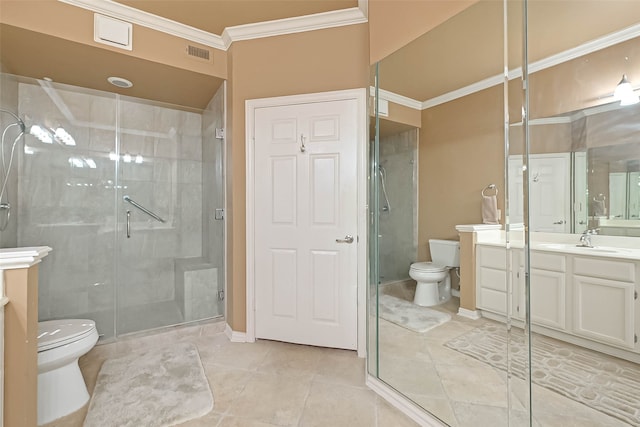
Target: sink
<point x="567" y="247"/>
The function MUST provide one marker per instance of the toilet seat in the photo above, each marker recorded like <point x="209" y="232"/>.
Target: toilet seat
<point x="57" y="333"/>
<point x="428" y="267"/>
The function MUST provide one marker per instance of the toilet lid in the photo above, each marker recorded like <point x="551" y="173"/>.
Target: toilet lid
<point x="427" y="267"/>
<point x="56" y="333"/>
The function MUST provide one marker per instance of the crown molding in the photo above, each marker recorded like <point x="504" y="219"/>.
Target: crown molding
<point x="318" y="21"/>
<point x="158" y="23"/>
<point x="551" y="61"/>
<point x="395" y="98"/>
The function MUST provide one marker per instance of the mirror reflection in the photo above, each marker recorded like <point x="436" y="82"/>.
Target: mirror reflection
<point x="443" y="341"/>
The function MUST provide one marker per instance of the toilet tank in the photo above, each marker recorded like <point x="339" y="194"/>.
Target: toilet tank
<point x="445" y="252"/>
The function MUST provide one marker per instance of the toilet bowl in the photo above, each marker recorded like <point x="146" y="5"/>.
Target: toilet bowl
<point x="433" y="279"/>
<point x="61" y="387"/>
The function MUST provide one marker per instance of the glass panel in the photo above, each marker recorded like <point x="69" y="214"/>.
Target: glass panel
<point x="83" y="152"/>
<point x="169" y="267"/>
<point x="66" y="190"/>
<point x="584" y="161"/>
<point x="442" y="104"/>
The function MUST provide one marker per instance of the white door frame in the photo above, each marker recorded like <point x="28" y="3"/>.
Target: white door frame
<point x="250" y="106"/>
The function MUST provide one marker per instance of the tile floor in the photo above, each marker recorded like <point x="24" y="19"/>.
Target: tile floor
<point x="465" y="392"/>
<point x="264" y="384"/>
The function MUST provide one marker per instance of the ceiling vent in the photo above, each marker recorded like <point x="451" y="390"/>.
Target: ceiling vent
<point x="113" y="32"/>
<point x="199" y="53"/>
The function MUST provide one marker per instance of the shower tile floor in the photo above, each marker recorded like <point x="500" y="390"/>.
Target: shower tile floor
<point x="247" y="381"/>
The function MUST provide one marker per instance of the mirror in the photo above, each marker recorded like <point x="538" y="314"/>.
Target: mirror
<point x="448" y="84"/>
<point x="585" y="167"/>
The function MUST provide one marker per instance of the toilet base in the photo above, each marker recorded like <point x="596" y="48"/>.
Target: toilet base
<point x="429" y="294"/>
<point x="61" y="391"/>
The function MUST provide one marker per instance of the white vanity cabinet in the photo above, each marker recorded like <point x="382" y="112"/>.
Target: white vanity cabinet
<point x="583" y="298"/>
<point x="604" y="300"/>
<point x="491" y="278"/>
<point x="548" y="288"/>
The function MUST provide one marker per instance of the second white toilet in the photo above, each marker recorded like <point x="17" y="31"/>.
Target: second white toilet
<point x="433" y="278"/>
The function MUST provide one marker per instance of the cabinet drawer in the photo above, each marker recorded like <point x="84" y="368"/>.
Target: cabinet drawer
<point x="492" y="256"/>
<point x="491" y="278"/>
<point x="604" y="268"/>
<point x="548" y="261"/>
<point x="492" y="300"/>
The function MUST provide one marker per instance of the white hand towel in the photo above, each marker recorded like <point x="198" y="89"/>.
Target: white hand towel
<point x="490" y="210"/>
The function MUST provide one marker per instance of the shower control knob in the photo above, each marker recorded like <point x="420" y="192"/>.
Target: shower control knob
<point x="347" y="239"/>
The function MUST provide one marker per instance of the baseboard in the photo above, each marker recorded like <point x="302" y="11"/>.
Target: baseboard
<point x="235" y="336"/>
<point x="403" y="404"/>
<point x="469" y="314"/>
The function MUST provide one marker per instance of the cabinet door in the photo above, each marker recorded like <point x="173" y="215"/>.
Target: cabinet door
<point x="604" y="311"/>
<point x="491" y="279"/>
<point x="548" y="290"/>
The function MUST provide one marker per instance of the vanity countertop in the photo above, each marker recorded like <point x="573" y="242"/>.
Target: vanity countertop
<point x="622" y="247"/>
<point x="11" y="258"/>
<point x="604" y="251"/>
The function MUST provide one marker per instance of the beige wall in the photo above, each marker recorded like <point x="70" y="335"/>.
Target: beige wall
<point x="395" y="23"/>
<point x="461" y="150"/>
<point x="315" y="61"/>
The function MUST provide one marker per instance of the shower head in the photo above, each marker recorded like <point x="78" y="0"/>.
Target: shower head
<point x="19" y="121"/>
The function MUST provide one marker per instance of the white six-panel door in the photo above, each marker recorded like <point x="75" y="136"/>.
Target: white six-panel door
<point x="305" y="210"/>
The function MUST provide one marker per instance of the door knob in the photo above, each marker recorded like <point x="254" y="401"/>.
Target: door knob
<point x="347" y="239"/>
<point x="559" y="222"/>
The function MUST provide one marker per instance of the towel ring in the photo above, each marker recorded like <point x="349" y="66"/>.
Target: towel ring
<point x="490" y="187"/>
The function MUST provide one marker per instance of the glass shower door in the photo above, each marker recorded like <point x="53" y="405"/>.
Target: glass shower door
<point x="164" y="275"/>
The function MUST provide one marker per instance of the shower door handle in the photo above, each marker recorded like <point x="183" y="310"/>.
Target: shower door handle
<point x="128" y="224"/>
<point x="347" y="239"/>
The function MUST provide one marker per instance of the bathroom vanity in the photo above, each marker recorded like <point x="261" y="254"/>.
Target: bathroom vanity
<point x="584" y="295"/>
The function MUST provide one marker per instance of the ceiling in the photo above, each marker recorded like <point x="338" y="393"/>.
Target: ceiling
<point x="213" y="16"/>
<point x="37" y="54"/>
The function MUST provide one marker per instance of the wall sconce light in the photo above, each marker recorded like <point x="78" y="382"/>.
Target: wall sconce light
<point x="624" y="92"/>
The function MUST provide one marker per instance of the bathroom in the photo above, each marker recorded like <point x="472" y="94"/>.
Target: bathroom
<point x="457" y="147"/>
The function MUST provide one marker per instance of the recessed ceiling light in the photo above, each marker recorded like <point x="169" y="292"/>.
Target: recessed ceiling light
<point x="120" y="82"/>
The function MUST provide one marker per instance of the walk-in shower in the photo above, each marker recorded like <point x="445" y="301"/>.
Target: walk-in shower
<point x="398" y="234"/>
<point x="127" y="192"/>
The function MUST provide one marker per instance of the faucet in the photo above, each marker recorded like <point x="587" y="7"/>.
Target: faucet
<point x="585" y="239"/>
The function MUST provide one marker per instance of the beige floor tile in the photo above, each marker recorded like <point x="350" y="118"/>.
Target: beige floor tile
<point x="242" y="422"/>
<point x="272" y="398"/>
<point x="442" y="355"/>
<point x="226" y="384"/>
<point x="472" y="415"/>
<point x="338" y="406"/>
<point x="479" y="385"/>
<point x="238" y="355"/>
<point x="210" y="420"/>
<point x="439" y="407"/>
<point x="341" y="368"/>
<point x="291" y="359"/>
<point x="409" y="376"/>
<point x="388" y="416"/>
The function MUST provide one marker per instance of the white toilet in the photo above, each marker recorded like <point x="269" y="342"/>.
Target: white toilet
<point x="434" y="281"/>
<point x="61" y="388"/>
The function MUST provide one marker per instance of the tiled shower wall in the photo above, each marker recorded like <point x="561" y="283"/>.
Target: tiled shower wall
<point x="9" y="101"/>
<point x="71" y="200"/>
<point x="398" y="225"/>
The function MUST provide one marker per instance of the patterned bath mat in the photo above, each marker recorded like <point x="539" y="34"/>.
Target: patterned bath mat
<point x="155" y="388"/>
<point x="408" y="315"/>
<point x="602" y="382"/>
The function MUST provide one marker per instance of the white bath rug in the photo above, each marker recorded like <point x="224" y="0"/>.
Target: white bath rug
<point x="155" y="388"/>
<point x="408" y="315"/>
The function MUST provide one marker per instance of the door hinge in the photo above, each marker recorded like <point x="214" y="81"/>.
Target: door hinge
<point x="635" y="294"/>
<point x="635" y="338"/>
<point x="220" y="295"/>
<point x="219" y="215"/>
